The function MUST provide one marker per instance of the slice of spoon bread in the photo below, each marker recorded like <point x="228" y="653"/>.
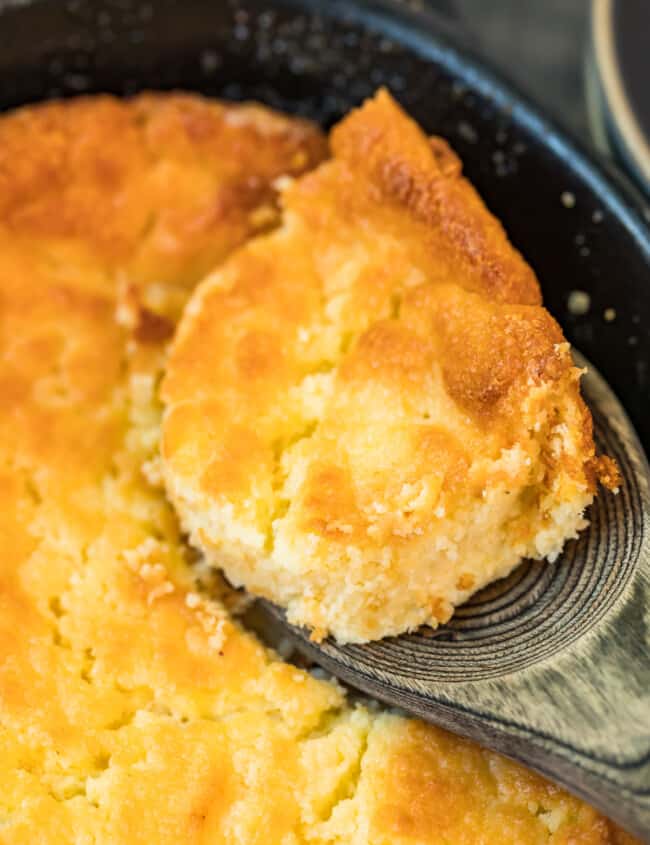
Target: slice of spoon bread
<point x="369" y="414"/>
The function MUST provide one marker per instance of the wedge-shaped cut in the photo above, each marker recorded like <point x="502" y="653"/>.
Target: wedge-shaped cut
<point x="369" y="413"/>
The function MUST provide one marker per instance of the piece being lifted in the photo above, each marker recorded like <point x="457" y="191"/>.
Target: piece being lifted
<point x="369" y="414"/>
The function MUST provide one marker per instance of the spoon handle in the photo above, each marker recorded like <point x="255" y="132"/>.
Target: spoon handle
<point x="583" y="721"/>
<point x="617" y="785"/>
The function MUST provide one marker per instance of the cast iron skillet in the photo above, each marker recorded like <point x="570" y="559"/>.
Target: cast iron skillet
<point x="580" y="227"/>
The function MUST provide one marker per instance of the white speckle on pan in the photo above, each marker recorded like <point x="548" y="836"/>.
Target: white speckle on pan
<point x="76" y="81"/>
<point x="265" y="20"/>
<point x="501" y="136"/>
<point x="633" y="340"/>
<point x="585" y="251"/>
<point x="567" y="199"/>
<point x="597" y="216"/>
<point x="320" y="674"/>
<point x="210" y="61"/>
<point x="458" y="89"/>
<point x="297" y="65"/>
<point x="609" y="315"/>
<point x="467" y="132"/>
<point x="636" y="319"/>
<point x="579" y="303"/>
<point x="285" y="648"/>
<point x="519" y="148"/>
<point x="500" y="161"/>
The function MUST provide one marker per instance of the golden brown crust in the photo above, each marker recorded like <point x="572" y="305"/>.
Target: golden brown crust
<point x="396" y="159"/>
<point x="445" y="789"/>
<point x="132" y="709"/>
<point x="607" y="472"/>
<point x="164" y="184"/>
<point x="348" y="394"/>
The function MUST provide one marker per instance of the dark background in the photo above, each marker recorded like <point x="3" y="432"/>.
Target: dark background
<point x="540" y="45"/>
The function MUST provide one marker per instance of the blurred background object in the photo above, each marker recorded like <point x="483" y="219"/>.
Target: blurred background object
<point x="549" y="50"/>
<point x="540" y="46"/>
<point x="618" y="82"/>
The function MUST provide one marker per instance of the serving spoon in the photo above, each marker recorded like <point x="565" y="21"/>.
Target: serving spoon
<point x="550" y="666"/>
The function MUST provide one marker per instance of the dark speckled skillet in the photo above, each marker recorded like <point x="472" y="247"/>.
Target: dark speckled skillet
<point x="551" y="665"/>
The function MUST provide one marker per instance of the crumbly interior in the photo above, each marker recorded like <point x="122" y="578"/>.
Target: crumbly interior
<point x="133" y="709"/>
<point x="369" y="414"/>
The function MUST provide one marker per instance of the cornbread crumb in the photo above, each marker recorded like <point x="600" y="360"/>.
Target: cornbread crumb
<point x="125" y="720"/>
<point x="369" y="415"/>
<point x="466" y="581"/>
<point x="579" y="303"/>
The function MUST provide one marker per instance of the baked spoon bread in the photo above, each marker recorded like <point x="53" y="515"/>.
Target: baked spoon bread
<point x="133" y="709"/>
<point x="369" y="414"/>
